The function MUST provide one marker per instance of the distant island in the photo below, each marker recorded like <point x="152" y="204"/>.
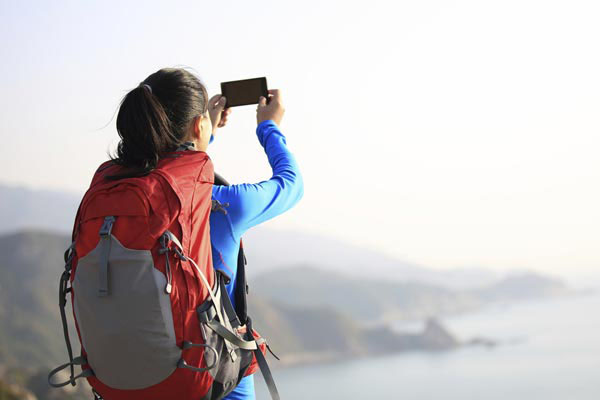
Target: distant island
<point x="377" y="342"/>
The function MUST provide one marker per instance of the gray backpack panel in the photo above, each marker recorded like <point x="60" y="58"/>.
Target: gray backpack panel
<point x="128" y="335"/>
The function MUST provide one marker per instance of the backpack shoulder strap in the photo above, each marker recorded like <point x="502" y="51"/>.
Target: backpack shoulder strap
<point x="241" y="285"/>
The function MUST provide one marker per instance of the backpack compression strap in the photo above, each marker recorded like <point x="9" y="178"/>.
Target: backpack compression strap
<point x="63" y="290"/>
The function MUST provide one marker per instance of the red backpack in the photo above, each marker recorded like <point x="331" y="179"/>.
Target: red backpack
<point x="152" y="315"/>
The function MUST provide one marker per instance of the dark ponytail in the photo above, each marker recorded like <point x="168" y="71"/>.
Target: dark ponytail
<point x="154" y="117"/>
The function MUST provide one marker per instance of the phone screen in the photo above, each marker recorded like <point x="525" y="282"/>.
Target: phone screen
<point x="244" y="92"/>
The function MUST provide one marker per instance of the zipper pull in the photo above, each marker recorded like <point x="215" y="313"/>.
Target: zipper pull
<point x="165" y="250"/>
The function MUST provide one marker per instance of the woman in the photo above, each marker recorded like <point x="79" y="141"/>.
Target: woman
<point x="242" y="206"/>
<point x="238" y="207"/>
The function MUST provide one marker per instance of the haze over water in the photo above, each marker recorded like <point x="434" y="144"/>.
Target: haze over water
<point x="550" y="351"/>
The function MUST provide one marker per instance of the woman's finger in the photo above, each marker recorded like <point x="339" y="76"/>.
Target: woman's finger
<point x="212" y="103"/>
<point x="223" y="120"/>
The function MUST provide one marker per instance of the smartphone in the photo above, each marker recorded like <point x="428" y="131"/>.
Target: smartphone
<point x="244" y="92"/>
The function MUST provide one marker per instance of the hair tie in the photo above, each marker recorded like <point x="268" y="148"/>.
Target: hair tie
<point x="146" y="86"/>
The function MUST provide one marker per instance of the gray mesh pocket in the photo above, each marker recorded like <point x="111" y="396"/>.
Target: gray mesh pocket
<point x="128" y="335"/>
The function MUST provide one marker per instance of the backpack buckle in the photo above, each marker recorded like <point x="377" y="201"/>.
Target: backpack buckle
<point x="107" y="226"/>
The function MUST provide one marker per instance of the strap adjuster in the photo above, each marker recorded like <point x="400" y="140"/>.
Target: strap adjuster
<point x="107" y="226"/>
<point x="105" y="241"/>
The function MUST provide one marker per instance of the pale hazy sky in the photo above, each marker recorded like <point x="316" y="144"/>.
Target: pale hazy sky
<point x="449" y="133"/>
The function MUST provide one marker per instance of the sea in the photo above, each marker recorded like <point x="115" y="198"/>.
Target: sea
<point x="547" y="350"/>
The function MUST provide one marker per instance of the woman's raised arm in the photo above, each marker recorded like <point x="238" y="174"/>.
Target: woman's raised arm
<point x="253" y="203"/>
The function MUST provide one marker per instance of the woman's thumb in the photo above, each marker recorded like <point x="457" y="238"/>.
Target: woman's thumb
<point x="262" y="101"/>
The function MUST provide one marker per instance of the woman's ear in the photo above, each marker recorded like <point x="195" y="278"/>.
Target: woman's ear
<point x="202" y="131"/>
<point x="197" y="127"/>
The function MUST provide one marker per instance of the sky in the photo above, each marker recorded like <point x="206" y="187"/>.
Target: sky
<point x="448" y="133"/>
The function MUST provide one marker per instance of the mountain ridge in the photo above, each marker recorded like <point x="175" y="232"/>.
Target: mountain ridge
<point x="266" y="249"/>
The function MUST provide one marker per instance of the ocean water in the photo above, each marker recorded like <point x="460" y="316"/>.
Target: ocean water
<point x="549" y="350"/>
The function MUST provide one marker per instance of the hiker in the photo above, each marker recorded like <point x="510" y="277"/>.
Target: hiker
<point x="159" y="301"/>
<point x="242" y="206"/>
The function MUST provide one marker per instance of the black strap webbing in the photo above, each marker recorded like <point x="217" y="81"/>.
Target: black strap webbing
<point x="262" y="364"/>
<point x="76" y="361"/>
<point x="266" y="373"/>
<point x="241" y="286"/>
<point x="63" y="290"/>
<point x="229" y="311"/>
<point x="219" y="180"/>
<point x="62" y="294"/>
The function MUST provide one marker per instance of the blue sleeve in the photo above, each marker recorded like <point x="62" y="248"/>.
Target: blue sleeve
<point x="253" y="203"/>
<point x="244" y="390"/>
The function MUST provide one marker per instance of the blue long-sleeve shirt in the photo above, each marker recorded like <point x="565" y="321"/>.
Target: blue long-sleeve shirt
<point x="249" y="205"/>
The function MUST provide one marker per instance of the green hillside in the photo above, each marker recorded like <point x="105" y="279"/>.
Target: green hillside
<point x="30" y="267"/>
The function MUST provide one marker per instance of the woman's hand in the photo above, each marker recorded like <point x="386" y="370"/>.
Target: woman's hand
<point x="274" y="110"/>
<point x="217" y="111"/>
